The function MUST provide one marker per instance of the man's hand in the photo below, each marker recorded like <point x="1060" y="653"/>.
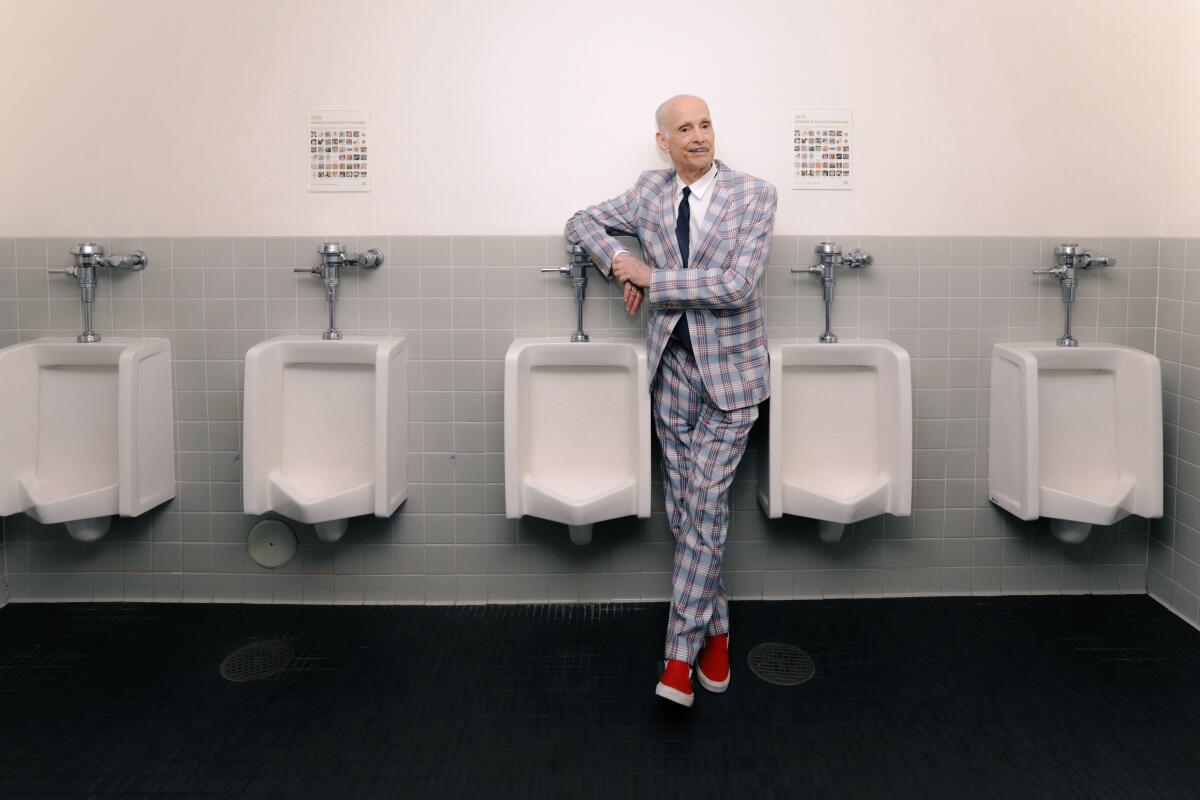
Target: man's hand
<point x="633" y="298"/>
<point x="632" y="274"/>
<point x="629" y="270"/>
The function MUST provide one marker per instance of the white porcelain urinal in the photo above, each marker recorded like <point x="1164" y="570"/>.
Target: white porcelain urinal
<point x="1075" y="435"/>
<point x="839" y="444"/>
<point x="326" y="429"/>
<point x="86" y="431"/>
<point x="576" y="432"/>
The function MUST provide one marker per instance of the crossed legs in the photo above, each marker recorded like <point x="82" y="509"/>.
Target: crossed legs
<point x="701" y="447"/>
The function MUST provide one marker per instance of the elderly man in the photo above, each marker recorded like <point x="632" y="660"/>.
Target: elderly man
<point x="705" y="230"/>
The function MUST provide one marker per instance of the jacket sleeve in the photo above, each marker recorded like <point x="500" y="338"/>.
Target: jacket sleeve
<point x="731" y="286"/>
<point x="587" y="227"/>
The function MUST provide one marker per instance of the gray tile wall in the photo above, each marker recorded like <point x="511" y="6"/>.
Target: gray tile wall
<point x="460" y="300"/>
<point x="1174" y="552"/>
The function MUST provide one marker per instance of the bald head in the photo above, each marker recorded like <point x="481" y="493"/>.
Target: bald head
<point x="685" y="133"/>
<point x="662" y="117"/>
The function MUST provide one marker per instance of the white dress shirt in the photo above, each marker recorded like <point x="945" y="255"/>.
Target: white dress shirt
<point x="698" y="203"/>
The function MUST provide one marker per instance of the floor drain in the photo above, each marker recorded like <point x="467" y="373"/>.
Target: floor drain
<point x="256" y="661"/>
<point x="781" y="664"/>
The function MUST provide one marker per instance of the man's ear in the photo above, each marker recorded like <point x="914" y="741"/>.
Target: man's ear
<point x="662" y="142"/>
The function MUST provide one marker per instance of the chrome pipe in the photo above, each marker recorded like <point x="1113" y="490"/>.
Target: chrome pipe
<point x="87" y="296"/>
<point x="331" y="333"/>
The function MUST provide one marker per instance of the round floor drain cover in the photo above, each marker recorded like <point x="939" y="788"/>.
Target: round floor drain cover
<point x="781" y="664"/>
<point x="271" y="543"/>
<point x="256" y="661"/>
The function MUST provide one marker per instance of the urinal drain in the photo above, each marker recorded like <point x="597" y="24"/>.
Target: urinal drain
<point x="256" y="661"/>
<point x="781" y="664"/>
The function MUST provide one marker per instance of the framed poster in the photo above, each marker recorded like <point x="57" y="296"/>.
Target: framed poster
<point x="338" y="151"/>
<point x="822" y="150"/>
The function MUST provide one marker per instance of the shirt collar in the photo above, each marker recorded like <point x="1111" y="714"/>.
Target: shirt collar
<point x="700" y="185"/>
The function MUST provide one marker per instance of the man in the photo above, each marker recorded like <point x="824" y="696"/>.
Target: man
<point x="705" y="229"/>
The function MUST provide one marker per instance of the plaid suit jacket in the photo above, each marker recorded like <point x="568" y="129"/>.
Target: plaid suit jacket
<point x="719" y="291"/>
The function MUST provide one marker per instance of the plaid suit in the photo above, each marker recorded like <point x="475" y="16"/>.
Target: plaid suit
<point x="719" y="290"/>
<point x="705" y="399"/>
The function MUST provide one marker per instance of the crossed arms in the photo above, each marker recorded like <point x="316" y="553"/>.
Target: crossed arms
<point x="728" y="286"/>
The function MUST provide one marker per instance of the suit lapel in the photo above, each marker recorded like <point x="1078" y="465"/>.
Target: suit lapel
<point x="667" y="222"/>
<point x="716" y="209"/>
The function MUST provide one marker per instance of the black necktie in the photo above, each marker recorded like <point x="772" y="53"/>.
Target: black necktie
<point x="683" y="235"/>
<point x="683" y="225"/>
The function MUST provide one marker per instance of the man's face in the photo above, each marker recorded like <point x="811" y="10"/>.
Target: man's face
<point x="689" y="138"/>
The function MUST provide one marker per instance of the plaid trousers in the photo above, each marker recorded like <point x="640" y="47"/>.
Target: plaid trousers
<point x="701" y="447"/>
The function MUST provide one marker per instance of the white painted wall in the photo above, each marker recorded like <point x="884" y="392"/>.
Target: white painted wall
<point x="983" y="116"/>
<point x="1181" y="207"/>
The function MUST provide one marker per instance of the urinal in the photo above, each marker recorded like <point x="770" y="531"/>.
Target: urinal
<point x="87" y="431"/>
<point x="839" y="440"/>
<point x="576" y="432"/>
<point x="1076" y="434"/>
<point x="326" y="429"/>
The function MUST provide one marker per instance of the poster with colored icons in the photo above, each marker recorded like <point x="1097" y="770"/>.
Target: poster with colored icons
<point x="339" y="151"/>
<point x="822" y="151"/>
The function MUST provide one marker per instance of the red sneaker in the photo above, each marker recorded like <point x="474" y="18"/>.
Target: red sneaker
<point x="712" y="667"/>
<point x="676" y="683"/>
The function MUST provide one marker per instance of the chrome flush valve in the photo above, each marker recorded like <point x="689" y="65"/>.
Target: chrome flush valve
<point x="88" y="258"/>
<point x="576" y="272"/>
<point x="829" y="256"/>
<point x="1068" y="258"/>
<point x="334" y="257"/>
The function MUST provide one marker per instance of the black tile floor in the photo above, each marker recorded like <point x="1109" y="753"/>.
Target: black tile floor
<point x="1014" y="697"/>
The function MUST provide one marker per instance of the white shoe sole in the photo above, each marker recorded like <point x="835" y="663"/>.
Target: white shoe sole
<point x="713" y="686"/>
<point x="674" y="695"/>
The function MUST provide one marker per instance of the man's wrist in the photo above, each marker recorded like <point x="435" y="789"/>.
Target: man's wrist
<point x="616" y="256"/>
